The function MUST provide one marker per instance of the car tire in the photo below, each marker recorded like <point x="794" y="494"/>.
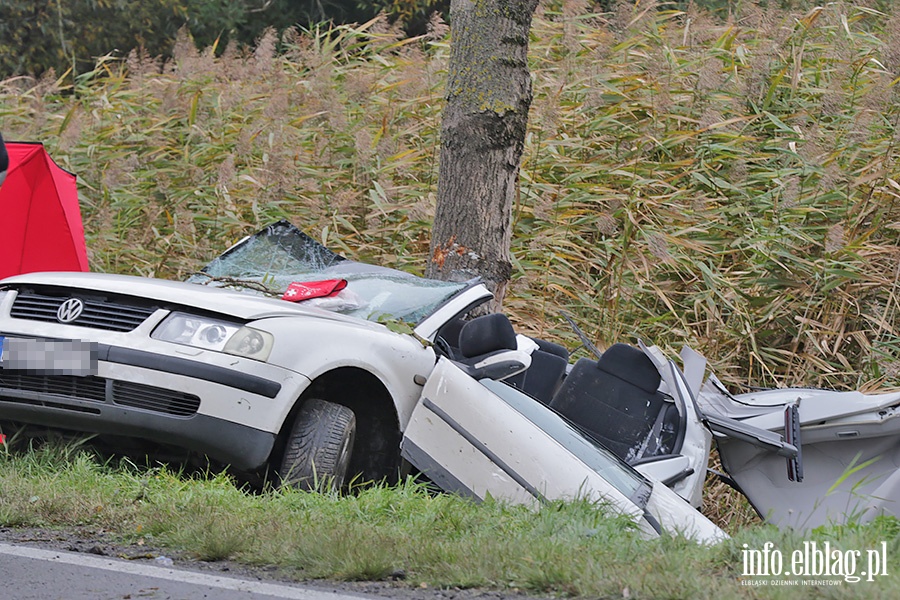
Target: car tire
<point x="319" y="447"/>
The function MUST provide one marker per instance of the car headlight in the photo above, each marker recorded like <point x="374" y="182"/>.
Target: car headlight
<point x="215" y="334"/>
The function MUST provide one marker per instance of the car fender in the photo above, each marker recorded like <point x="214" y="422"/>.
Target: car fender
<point x="313" y="347"/>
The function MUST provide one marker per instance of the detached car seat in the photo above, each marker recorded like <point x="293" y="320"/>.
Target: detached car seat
<point x="617" y="401"/>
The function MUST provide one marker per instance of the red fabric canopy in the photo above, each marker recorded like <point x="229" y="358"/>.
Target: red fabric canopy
<point x="40" y="228"/>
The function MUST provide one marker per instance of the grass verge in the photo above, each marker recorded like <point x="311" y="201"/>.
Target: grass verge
<point x="573" y="549"/>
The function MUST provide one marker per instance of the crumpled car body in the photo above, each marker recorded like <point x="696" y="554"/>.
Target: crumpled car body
<point x="849" y="444"/>
<point x="483" y="438"/>
<point x="337" y="386"/>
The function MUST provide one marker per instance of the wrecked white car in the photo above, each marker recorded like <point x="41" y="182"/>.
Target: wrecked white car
<point x="249" y="381"/>
<point x="269" y="384"/>
<point x="373" y="364"/>
<point x="848" y="444"/>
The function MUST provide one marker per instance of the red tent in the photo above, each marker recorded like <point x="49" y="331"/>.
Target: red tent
<point x="40" y="221"/>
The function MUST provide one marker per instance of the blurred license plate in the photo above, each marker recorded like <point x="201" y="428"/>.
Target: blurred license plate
<point x="49" y="357"/>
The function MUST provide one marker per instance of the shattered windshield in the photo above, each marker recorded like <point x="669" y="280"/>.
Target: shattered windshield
<point x="279" y="255"/>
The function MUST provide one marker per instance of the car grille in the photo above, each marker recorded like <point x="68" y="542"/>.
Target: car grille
<point x="55" y="389"/>
<point x="138" y="395"/>
<point x="98" y="313"/>
<point x="82" y="388"/>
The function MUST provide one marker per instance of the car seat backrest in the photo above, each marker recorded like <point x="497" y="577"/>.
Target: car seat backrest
<point x="616" y="399"/>
<point x="552" y="348"/>
<point x="543" y="377"/>
<point x="488" y="349"/>
<point x="630" y="365"/>
<point x="485" y="334"/>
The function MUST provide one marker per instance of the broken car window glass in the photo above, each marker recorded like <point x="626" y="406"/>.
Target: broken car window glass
<point x="281" y="254"/>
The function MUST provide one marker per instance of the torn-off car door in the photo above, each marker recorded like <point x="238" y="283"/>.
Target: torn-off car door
<point x="481" y="438"/>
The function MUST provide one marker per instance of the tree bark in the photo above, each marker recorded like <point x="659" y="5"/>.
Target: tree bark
<point x="482" y="137"/>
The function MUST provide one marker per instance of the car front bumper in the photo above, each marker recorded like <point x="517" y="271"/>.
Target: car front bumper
<point x="239" y="446"/>
<point x="220" y="410"/>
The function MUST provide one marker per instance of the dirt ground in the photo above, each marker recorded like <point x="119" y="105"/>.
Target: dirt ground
<point x="104" y="544"/>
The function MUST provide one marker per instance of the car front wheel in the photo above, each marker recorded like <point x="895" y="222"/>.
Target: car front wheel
<point x="319" y="447"/>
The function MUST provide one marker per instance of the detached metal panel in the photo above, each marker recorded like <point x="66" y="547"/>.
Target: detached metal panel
<point x="469" y="440"/>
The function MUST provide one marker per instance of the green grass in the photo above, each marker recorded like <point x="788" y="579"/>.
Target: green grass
<point x="441" y="540"/>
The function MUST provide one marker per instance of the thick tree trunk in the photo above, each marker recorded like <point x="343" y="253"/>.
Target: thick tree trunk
<point x="482" y="136"/>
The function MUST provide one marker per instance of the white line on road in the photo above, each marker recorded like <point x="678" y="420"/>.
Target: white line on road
<point x="189" y="577"/>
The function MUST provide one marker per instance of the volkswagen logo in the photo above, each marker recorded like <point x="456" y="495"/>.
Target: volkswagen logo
<point x="69" y="310"/>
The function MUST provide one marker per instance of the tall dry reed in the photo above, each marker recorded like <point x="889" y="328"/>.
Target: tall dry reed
<point x="728" y="185"/>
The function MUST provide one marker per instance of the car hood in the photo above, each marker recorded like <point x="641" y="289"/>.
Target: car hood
<point x="174" y="293"/>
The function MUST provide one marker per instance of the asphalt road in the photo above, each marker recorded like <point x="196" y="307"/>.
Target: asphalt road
<point x="86" y="564"/>
<point x="28" y="573"/>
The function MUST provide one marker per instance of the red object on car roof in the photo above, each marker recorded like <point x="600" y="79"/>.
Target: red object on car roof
<point x="40" y="228"/>
<point x="305" y="290"/>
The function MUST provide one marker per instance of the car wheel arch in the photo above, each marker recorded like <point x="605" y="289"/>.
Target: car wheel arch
<point x="376" y="454"/>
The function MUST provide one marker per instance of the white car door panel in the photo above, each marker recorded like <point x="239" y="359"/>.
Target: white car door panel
<point x="484" y="438"/>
